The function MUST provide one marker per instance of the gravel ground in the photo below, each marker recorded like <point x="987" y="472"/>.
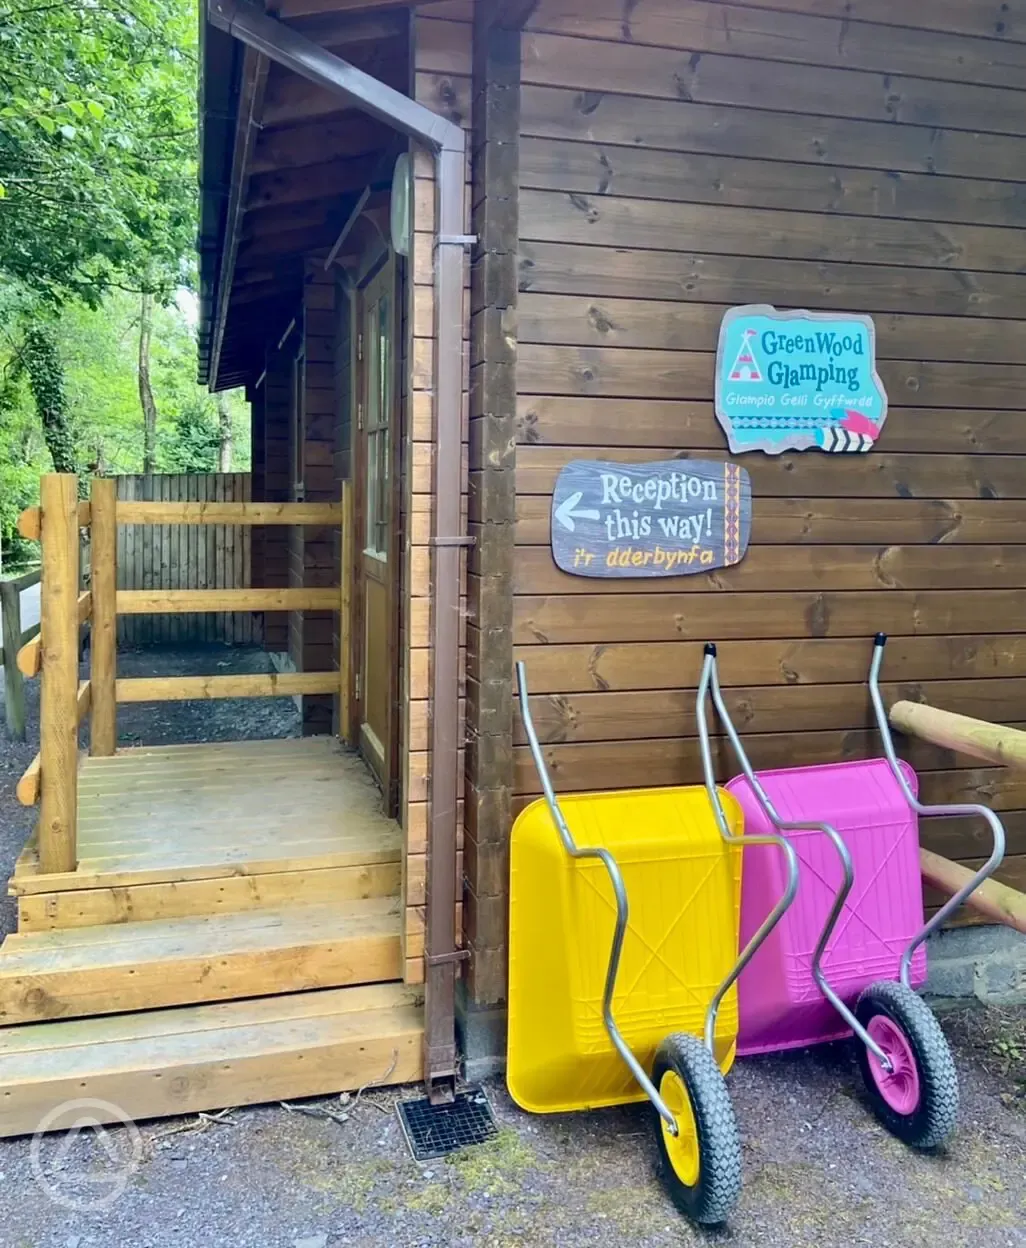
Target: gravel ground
<point x="818" y="1170"/>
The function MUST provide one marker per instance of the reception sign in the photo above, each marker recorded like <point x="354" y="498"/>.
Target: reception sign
<point x="638" y="520"/>
<point x="794" y="381"/>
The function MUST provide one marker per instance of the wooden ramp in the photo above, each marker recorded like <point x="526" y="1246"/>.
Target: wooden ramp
<point x="233" y="933"/>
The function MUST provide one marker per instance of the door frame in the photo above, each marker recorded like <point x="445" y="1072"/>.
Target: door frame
<point x="384" y="261"/>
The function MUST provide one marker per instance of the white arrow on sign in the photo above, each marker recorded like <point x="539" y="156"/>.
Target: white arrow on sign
<point x="566" y="515"/>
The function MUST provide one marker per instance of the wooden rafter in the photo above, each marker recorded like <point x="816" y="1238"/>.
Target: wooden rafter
<point x="251" y="98"/>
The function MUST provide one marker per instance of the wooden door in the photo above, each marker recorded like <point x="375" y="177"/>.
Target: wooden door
<point x="376" y="560"/>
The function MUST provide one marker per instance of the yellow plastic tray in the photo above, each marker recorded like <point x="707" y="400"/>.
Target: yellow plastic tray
<point x="684" y="890"/>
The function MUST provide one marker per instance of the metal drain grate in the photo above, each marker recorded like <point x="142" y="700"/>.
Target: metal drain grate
<point x="435" y="1130"/>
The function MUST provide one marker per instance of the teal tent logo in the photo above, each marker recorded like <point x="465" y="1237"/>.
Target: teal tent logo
<point x="797" y="381"/>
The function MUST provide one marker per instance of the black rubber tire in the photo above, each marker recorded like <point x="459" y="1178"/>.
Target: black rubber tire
<point x="933" y="1119"/>
<point x="715" y="1194"/>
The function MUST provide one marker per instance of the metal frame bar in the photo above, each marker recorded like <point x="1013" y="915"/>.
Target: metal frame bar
<point x="711" y="684"/>
<point x="619" y="892"/>
<point x="966" y="809"/>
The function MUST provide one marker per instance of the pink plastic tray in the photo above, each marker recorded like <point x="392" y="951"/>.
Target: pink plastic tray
<point x="780" y="1003"/>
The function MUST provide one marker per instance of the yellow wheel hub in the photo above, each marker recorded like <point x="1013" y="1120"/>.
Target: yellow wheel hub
<point x="682" y="1148"/>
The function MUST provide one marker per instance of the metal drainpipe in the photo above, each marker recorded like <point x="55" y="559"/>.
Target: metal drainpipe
<point x="447" y="143"/>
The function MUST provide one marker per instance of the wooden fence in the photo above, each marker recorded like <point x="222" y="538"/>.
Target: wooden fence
<point x="51" y="779"/>
<point x="181" y="556"/>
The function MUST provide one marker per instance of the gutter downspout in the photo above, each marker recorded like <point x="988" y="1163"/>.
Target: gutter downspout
<point x="447" y="143"/>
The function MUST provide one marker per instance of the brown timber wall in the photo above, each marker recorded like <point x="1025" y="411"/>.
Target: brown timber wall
<point x="678" y="157"/>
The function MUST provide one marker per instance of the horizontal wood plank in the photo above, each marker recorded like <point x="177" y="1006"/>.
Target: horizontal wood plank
<point x="564" y="669"/>
<point x="687" y="274"/>
<point x="844" y="521"/>
<point x="260" y="685"/>
<point x="801" y="476"/>
<point x="674" y="125"/>
<point x="636" y="715"/>
<point x="974" y="41"/>
<point x="613" y="221"/>
<point x="710" y="178"/>
<point x="706" y="68"/>
<point x="229" y="513"/>
<point x="183" y="601"/>
<point x="575" y="320"/>
<point x="594" y="420"/>
<point x="672" y="615"/>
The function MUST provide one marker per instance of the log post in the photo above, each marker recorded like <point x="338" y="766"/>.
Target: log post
<point x="345" y="620"/>
<point x="14" y="681"/>
<point x="58" y="699"/>
<point x="103" y="732"/>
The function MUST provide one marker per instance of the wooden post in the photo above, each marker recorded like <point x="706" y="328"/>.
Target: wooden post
<point x="14" y="681"/>
<point x="103" y="732"/>
<point x="345" y="620"/>
<point x="58" y="699"/>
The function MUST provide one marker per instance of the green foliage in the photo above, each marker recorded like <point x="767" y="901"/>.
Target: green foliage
<point x="40" y="358"/>
<point x="97" y="351"/>
<point x="195" y="440"/>
<point x="97" y="145"/>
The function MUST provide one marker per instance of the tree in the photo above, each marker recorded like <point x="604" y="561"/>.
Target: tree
<point x="149" y="407"/>
<point x="224" y="433"/>
<point x="41" y="360"/>
<point x="97" y="145"/>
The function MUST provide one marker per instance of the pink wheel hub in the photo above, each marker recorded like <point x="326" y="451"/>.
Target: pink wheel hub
<point x="898" y="1086"/>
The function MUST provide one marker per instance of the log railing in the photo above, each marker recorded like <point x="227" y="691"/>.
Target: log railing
<point x="52" y="776"/>
<point x="13" y="638"/>
<point x="993" y="743"/>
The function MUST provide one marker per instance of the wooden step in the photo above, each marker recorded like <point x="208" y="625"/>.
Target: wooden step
<point x="207" y="1057"/>
<point x="223" y="894"/>
<point x="116" y="968"/>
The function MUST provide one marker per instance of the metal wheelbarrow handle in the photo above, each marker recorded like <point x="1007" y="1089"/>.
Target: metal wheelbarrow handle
<point x="711" y="685"/>
<point x="619" y="892"/>
<point x="966" y="809"/>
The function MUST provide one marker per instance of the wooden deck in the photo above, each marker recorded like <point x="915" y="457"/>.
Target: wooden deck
<point x="169" y="814"/>
<point x="240" y="901"/>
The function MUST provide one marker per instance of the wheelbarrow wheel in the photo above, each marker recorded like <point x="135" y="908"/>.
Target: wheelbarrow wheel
<point x="702" y="1163"/>
<point x="917" y="1100"/>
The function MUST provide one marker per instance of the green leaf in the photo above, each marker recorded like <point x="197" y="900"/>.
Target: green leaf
<point x="68" y="131"/>
<point x="96" y="110"/>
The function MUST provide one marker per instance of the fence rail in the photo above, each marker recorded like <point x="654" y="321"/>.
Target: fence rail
<point x="52" y="777"/>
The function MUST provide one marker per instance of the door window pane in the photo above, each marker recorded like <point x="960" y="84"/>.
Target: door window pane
<point x="379" y="398"/>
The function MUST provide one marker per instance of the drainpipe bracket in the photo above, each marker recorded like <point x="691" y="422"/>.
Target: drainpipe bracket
<point x="452" y="541"/>
<point x="444" y="959"/>
<point x="456" y="240"/>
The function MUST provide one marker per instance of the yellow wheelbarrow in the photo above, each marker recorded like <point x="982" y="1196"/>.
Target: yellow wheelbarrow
<point x="613" y="1001"/>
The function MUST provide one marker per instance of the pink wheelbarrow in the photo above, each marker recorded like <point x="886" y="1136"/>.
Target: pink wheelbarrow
<point x="847" y="955"/>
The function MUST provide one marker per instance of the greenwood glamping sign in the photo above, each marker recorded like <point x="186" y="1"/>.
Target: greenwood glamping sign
<point x="639" y="520"/>
<point x="793" y="381"/>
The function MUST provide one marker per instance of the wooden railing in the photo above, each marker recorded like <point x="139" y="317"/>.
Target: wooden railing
<point x="992" y="743"/>
<point x="14" y="637"/>
<point x="52" y="776"/>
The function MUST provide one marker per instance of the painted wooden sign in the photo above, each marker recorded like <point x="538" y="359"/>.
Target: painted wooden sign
<point x="794" y="381"/>
<point x="635" y="520"/>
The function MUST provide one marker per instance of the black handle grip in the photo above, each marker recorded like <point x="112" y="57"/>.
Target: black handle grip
<point x="880" y="639"/>
<point x="710" y="648"/>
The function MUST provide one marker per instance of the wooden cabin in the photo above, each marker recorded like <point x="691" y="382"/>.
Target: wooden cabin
<point x="449" y="247"/>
